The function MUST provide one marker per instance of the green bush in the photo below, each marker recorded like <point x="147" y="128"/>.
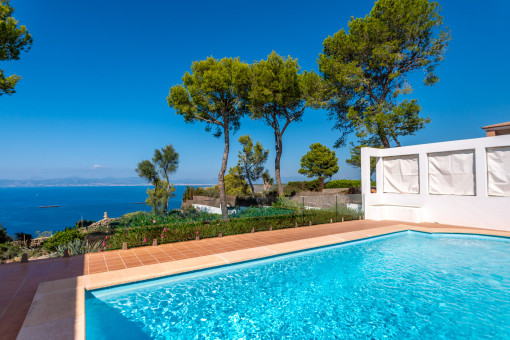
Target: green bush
<point x="345" y="183"/>
<point x="78" y="246"/>
<point x="273" y="192"/>
<point x="3" y="235"/>
<point x="212" y="192"/>
<point x="188" y="193"/>
<point x="286" y="203"/>
<point x="62" y="237"/>
<point x="25" y="238"/>
<point x="9" y="251"/>
<point x="141" y="218"/>
<point x="84" y="223"/>
<point x="292" y="188"/>
<point x="262" y="211"/>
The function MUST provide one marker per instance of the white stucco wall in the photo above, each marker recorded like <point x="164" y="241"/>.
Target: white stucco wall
<point x="480" y="210"/>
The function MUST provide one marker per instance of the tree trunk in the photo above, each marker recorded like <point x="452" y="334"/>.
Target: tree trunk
<point x="278" y="148"/>
<point x="396" y="141"/>
<point x="165" y="207"/>
<point x="321" y="183"/>
<point x="384" y="140"/>
<point x="221" y="177"/>
<point x="155" y="202"/>
<point x="251" y="185"/>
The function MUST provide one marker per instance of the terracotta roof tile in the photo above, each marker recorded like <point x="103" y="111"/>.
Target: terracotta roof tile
<point x="496" y="125"/>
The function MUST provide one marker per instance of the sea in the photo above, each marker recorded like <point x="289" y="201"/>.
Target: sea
<point x="32" y="210"/>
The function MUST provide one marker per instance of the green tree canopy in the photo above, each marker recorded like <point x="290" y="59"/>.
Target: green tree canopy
<point x="214" y="93"/>
<point x="14" y="39"/>
<point x="366" y="69"/>
<point x="320" y="162"/>
<point x="279" y="95"/>
<point x="167" y="161"/>
<point x="157" y="198"/>
<point x="164" y="162"/>
<point x="355" y="151"/>
<point x="147" y="170"/>
<point x="235" y="184"/>
<point x="252" y="159"/>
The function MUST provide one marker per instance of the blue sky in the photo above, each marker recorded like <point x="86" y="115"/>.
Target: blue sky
<point x="92" y="101"/>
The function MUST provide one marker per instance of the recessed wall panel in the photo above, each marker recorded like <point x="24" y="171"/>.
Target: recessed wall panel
<point x="401" y="174"/>
<point x="452" y="173"/>
<point x="498" y="171"/>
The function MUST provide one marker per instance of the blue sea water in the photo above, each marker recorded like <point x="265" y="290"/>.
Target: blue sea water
<point x="20" y="207"/>
<point x="403" y="286"/>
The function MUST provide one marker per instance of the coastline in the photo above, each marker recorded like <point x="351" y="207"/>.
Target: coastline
<point x="98" y="185"/>
<point x="20" y="206"/>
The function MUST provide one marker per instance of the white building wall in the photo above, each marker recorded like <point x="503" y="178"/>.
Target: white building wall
<point x="480" y="210"/>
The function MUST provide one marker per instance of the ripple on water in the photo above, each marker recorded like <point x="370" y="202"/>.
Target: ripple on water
<point x="409" y="285"/>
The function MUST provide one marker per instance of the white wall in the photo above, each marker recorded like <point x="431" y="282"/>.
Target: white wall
<point x="480" y="211"/>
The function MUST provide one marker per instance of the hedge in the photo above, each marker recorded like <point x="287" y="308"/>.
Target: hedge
<point x="168" y="233"/>
<point x="345" y="183"/>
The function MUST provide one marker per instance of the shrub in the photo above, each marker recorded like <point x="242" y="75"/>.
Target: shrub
<point x="78" y="246"/>
<point x="212" y="192"/>
<point x="190" y="192"/>
<point x="263" y="211"/>
<point x="9" y="251"/>
<point x="286" y="203"/>
<point x="273" y="192"/>
<point x="62" y="237"/>
<point x="292" y="188"/>
<point x="345" y="183"/>
<point x="84" y="223"/>
<point x="25" y="238"/>
<point x="3" y="235"/>
<point x="141" y="218"/>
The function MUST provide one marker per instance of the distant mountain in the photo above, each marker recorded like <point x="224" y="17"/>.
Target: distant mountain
<point x="78" y="181"/>
<point x="111" y="181"/>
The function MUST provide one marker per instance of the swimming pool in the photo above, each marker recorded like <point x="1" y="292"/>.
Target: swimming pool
<point x="404" y="285"/>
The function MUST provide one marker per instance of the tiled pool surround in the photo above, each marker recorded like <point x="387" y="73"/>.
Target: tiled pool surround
<point x="58" y="308"/>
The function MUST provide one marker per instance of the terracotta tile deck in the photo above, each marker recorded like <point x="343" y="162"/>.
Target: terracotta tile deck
<point x="19" y="282"/>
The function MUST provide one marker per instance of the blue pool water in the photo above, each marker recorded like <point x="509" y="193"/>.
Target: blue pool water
<point x="403" y="286"/>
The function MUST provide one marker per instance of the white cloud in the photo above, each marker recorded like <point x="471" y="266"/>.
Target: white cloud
<point x="97" y="166"/>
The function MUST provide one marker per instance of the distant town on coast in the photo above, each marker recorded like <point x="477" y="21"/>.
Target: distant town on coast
<point x="92" y="182"/>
